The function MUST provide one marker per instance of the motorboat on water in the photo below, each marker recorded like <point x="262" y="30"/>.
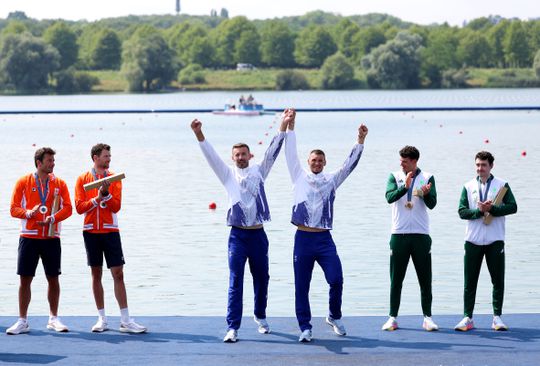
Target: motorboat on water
<point x="245" y="107"/>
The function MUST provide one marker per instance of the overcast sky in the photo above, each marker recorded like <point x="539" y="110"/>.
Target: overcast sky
<point x="417" y="11"/>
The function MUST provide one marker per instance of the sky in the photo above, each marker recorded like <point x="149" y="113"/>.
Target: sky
<point x="417" y="11"/>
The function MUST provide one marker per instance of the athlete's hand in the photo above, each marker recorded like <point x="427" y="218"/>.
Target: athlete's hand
<point x="32" y="212"/>
<point x="196" y="125"/>
<point x="408" y="179"/>
<point x="362" y="133"/>
<point x="289" y="117"/>
<point x="426" y="188"/>
<point x="485" y="206"/>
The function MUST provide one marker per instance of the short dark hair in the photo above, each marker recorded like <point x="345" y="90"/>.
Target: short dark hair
<point x="410" y="152"/>
<point x="40" y="153"/>
<point x="317" y="152"/>
<point x="97" y="149"/>
<point x="485" y="155"/>
<point x="241" y="145"/>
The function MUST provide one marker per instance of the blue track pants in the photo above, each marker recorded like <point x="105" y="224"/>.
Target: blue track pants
<point x="250" y="245"/>
<point x="311" y="247"/>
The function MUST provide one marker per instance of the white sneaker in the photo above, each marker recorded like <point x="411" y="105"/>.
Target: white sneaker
<point x="264" y="328"/>
<point x="231" y="336"/>
<point x="21" y="326"/>
<point x="390" y="325"/>
<point x="101" y="325"/>
<point x="338" y="326"/>
<point x="306" y="336"/>
<point x="56" y="325"/>
<point x="498" y="324"/>
<point x="132" y="327"/>
<point x="429" y="324"/>
<point x="464" y="325"/>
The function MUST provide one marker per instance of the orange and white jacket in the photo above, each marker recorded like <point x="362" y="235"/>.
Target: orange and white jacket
<point x="99" y="215"/>
<point x="26" y="196"/>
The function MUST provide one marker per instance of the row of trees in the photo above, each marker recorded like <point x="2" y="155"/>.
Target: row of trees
<point x="395" y="54"/>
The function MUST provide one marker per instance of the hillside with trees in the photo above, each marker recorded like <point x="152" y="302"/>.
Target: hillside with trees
<point x="317" y="50"/>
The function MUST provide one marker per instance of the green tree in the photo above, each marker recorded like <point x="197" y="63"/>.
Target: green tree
<point x="192" y="74"/>
<point x="61" y="37"/>
<point x="344" y="35"/>
<point x="26" y="62"/>
<point x="337" y="72"/>
<point x="70" y="81"/>
<point x="495" y="37"/>
<point x="147" y="61"/>
<point x="291" y="80"/>
<point x="536" y="64"/>
<point x="14" y="27"/>
<point x="201" y="52"/>
<point x="277" y="44"/>
<point x="534" y="36"/>
<point x="440" y="53"/>
<point x="313" y="45"/>
<point x="246" y="48"/>
<point x="106" y="53"/>
<point x="516" y="46"/>
<point x="185" y="39"/>
<point x="226" y="40"/>
<point x="474" y="50"/>
<point x="396" y="64"/>
<point x="365" y="40"/>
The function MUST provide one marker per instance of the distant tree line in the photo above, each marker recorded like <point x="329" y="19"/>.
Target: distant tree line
<point x="152" y="51"/>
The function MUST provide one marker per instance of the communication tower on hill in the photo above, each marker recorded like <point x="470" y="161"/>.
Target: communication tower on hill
<point x="177" y="6"/>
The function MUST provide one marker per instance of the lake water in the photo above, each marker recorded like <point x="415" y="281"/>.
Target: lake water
<point x="176" y="248"/>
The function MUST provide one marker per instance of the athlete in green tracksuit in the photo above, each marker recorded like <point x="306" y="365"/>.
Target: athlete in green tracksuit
<point x="411" y="192"/>
<point x="484" y="239"/>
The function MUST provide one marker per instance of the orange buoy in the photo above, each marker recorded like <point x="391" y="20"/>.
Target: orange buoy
<point x="212" y="206"/>
<point x="523" y="153"/>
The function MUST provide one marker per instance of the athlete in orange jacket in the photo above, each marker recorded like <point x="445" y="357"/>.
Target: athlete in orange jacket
<point x="102" y="236"/>
<point x="32" y="202"/>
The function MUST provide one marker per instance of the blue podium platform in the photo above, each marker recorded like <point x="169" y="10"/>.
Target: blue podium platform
<point x="198" y="341"/>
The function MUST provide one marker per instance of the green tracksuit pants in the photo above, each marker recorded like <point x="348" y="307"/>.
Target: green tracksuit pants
<point x="403" y="247"/>
<point x="474" y="254"/>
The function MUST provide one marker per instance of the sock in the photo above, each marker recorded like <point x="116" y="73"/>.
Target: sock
<point x="101" y="313"/>
<point x="124" y="313"/>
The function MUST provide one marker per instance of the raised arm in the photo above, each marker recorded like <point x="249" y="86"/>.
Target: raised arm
<point x="291" y="155"/>
<point x="274" y="148"/>
<point x="352" y="160"/>
<point x="218" y="166"/>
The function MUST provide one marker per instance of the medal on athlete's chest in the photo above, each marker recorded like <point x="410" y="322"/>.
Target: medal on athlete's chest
<point x="409" y="205"/>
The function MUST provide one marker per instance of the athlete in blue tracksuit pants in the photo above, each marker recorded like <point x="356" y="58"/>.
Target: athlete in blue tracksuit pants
<point x="248" y="210"/>
<point x="312" y="213"/>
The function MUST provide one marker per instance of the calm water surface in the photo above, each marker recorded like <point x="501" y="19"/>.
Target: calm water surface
<point x="176" y="249"/>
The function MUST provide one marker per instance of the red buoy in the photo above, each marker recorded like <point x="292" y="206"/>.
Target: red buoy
<point x="72" y="135"/>
<point x="212" y="206"/>
<point x="461" y="132"/>
<point x="34" y="145"/>
<point x="486" y="141"/>
<point x="266" y="134"/>
<point x="260" y="142"/>
<point x="523" y="153"/>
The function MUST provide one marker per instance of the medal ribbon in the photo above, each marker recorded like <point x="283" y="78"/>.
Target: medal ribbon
<point x="483" y="198"/>
<point x="42" y="192"/>
<point x="410" y="190"/>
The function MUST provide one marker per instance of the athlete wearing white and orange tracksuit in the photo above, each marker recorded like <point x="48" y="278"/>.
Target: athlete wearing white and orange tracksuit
<point x="99" y="215"/>
<point x="26" y="196"/>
